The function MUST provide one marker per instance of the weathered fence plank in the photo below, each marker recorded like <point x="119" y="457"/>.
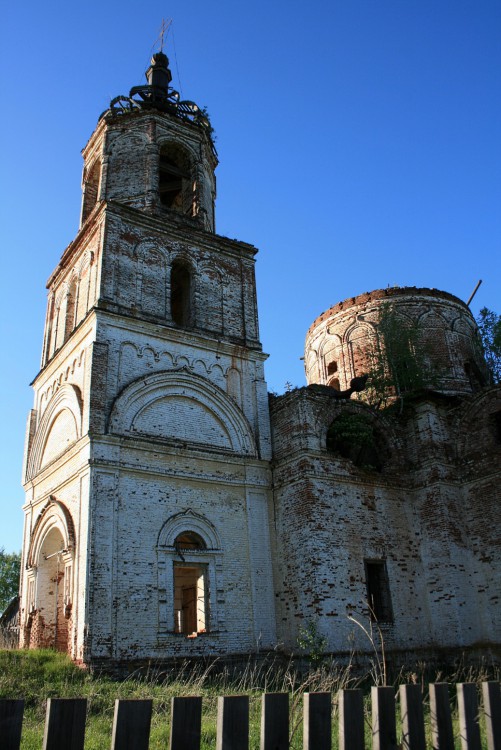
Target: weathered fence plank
<point x="232" y="723"/>
<point x="351" y="720"/>
<point x="440" y="717"/>
<point x="131" y="725"/>
<point x="11" y="722"/>
<point x="186" y="723"/>
<point x="411" y="712"/>
<point x="469" y="727"/>
<point x="491" y="693"/>
<point x="65" y="724"/>
<point x="275" y="721"/>
<point x="384" y="729"/>
<point x="317" y="721"/>
<point x="65" y="721"/>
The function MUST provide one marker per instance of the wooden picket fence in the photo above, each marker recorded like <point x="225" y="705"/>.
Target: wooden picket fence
<point x="65" y="721"/>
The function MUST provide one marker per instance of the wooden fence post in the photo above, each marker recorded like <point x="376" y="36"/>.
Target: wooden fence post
<point x="440" y="717"/>
<point x="411" y="711"/>
<point x="317" y="721"/>
<point x="11" y="722"/>
<point x="275" y="721"/>
<point x="131" y="725"/>
<point x="351" y="720"/>
<point x="65" y="724"/>
<point x="469" y="727"/>
<point x="491" y="692"/>
<point x="384" y="729"/>
<point x="185" y="723"/>
<point x="233" y="722"/>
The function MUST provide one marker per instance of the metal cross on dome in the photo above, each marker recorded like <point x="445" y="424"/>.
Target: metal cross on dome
<point x="164" y="28"/>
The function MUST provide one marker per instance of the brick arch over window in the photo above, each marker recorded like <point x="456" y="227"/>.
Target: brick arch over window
<point x="178" y="405"/>
<point x="53" y="514"/>
<point x="63" y="414"/>
<point x="188" y="520"/>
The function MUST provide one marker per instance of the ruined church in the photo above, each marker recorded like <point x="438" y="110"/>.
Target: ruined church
<point x="173" y="507"/>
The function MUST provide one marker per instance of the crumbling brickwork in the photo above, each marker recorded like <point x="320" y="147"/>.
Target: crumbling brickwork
<point x="422" y="515"/>
<point x="165" y="515"/>
<point x="339" y="342"/>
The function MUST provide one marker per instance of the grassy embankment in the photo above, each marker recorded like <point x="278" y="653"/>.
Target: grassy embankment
<point x="38" y="675"/>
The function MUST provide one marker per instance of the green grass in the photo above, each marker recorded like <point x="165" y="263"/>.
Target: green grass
<point x="41" y="674"/>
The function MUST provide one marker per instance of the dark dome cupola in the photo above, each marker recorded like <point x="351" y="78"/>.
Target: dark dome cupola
<point x="158" y="74"/>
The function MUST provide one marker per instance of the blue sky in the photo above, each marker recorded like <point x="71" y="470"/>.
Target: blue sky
<point x="359" y="144"/>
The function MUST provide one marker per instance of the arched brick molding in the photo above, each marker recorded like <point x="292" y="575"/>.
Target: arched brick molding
<point x="181" y="406"/>
<point x="62" y="414"/>
<point x="53" y="514"/>
<point x="188" y="520"/>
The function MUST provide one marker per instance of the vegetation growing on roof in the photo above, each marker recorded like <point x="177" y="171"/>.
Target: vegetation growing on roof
<point x="489" y="327"/>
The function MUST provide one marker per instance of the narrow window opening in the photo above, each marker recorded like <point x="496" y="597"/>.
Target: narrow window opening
<point x="31" y="595"/>
<point x="71" y="306"/>
<point x="67" y="590"/>
<point x="477" y="380"/>
<point x="332" y="382"/>
<point x="378" y="591"/>
<point x="180" y="291"/>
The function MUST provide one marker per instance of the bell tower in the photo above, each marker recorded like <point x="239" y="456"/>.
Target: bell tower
<point x="165" y="161"/>
<point x="147" y="471"/>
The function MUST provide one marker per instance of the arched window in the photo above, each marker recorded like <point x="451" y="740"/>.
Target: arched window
<point x="189" y="565"/>
<point x="91" y="190"/>
<point x="71" y="306"/>
<point x="180" y="294"/>
<point x="191" y="586"/>
<point x="48" y="330"/>
<point x="353" y="435"/>
<point x="176" y="185"/>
